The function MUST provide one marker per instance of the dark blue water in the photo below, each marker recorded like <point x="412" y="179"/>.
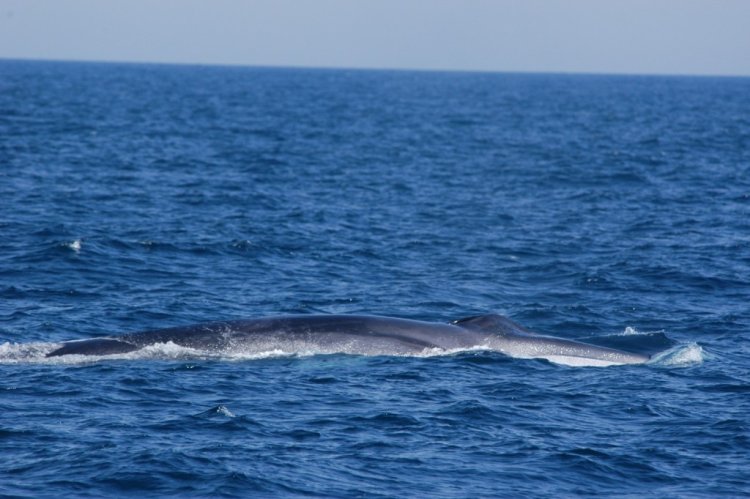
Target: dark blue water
<point x="135" y="197"/>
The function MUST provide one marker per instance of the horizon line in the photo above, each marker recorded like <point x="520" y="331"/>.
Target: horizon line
<point x="374" y="68"/>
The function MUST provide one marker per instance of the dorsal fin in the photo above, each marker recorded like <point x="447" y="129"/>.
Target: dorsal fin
<point x="492" y="323"/>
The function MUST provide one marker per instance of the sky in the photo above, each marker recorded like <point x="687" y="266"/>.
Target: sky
<point x="703" y="37"/>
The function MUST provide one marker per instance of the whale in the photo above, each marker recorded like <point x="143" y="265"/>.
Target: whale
<point x="361" y="335"/>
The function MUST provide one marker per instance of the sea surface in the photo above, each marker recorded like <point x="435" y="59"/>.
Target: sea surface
<point x="587" y="207"/>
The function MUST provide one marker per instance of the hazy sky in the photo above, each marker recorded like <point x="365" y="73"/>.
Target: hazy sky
<point x="603" y="36"/>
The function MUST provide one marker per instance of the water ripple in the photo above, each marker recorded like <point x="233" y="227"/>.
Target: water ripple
<point x="610" y="209"/>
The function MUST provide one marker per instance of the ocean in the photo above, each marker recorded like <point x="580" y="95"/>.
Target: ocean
<point x="587" y="207"/>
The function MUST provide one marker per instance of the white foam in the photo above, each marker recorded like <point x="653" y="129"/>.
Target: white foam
<point x="239" y="356"/>
<point x="75" y="245"/>
<point x="23" y="353"/>
<point x="222" y="409"/>
<point x="684" y="355"/>
<point x="35" y="353"/>
<point x="441" y="352"/>
<point x="631" y="331"/>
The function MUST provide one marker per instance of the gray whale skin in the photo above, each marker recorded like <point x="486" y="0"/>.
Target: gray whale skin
<point x="359" y="334"/>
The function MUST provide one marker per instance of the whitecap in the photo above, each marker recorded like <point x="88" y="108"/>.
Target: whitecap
<point x="23" y="353"/>
<point x="684" y="355"/>
<point x="75" y="245"/>
<point x="224" y="411"/>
